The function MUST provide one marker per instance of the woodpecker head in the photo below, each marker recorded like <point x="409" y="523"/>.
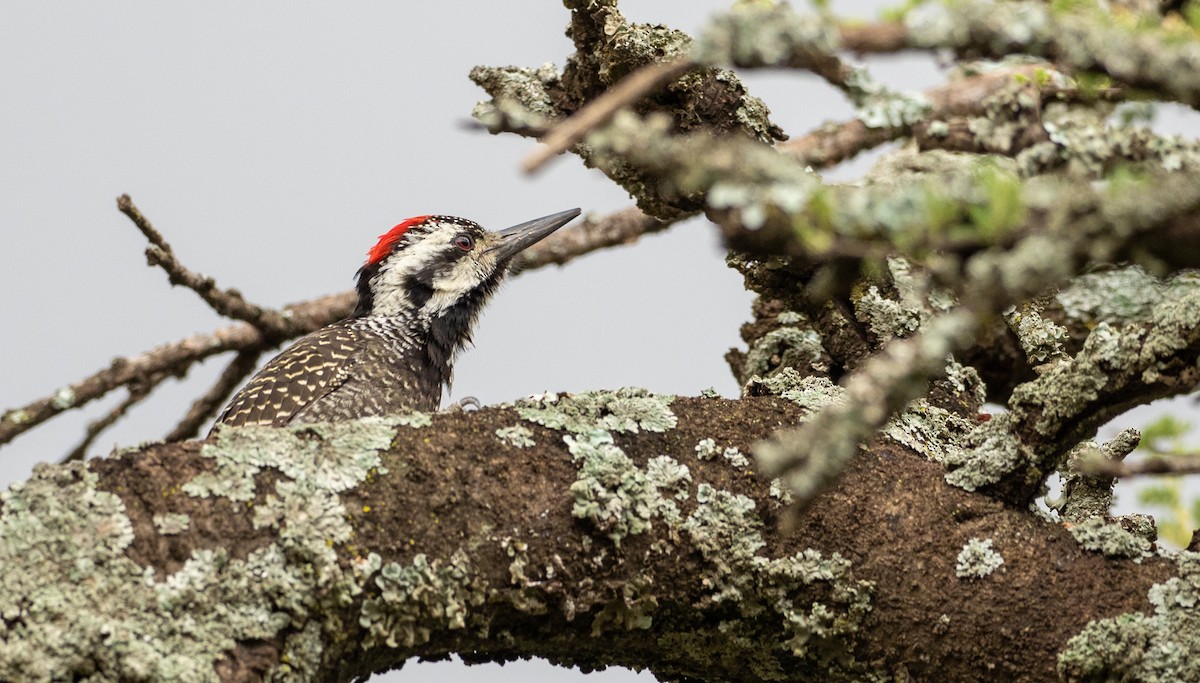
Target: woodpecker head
<point x="443" y="268"/>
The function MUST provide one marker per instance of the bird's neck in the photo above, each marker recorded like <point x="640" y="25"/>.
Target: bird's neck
<point x="421" y="341"/>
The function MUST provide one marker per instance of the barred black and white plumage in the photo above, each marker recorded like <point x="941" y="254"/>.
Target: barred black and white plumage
<point x="419" y="294"/>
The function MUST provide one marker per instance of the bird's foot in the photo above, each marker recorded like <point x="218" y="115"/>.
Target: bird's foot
<point x="467" y="404"/>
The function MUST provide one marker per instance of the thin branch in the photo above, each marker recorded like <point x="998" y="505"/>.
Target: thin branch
<point x="206" y="406"/>
<point x="571" y="130"/>
<point x="138" y="392"/>
<point x="622" y="227"/>
<point x="834" y="143"/>
<point x="1146" y="58"/>
<point x="1175" y="464"/>
<point x="173" y="359"/>
<point x="875" y="38"/>
<point x="226" y="302"/>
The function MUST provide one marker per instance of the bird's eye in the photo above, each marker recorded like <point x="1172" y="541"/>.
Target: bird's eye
<point x="464" y="241"/>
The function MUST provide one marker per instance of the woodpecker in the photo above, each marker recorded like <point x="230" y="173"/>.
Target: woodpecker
<point x="419" y="293"/>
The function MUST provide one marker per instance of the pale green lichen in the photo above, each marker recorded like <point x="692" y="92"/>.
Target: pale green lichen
<point x="632" y="610"/>
<point x="60" y="612"/>
<point x="1140" y="647"/>
<point x="786" y="347"/>
<point x="977" y="559"/>
<point x="706" y="449"/>
<point x="929" y="430"/>
<point x="1041" y="339"/>
<point x="19" y="416"/>
<point x="611" y="492"/>
<point x="986" y="455"/>
<point x="625" y="410"/>
<point x="734" y="457"/>
<point x="1085" y="496"/>
<point x="415" y="419"/>
<point x="520" y="96"/>
<point x="1109" y="539"/>
<point x="1120" y="294"/>
<point x="810" y="393"/>
<point x="763" y="35"/>
<point x="790" y="318"/>
<point x="668" y="474"/>
<point x="171" y="523"/>
<point x="519" y="552"/>
<point x="964" y="380"/>
<point x="325" y="523"/>
<point x="417" y="597"/>
<point x="524" y="593"/>
<point x="63" y="398"/>
<point x="886" y="318"/>
<point x="339" y="460"/>
<point x="1083" y="142"/>
<point x="727" y="532"/>
<point x="780" y="492"/>
<point x="880" y="107"/>
<point x="710" y="393"/>
<point x="515" y="436"/>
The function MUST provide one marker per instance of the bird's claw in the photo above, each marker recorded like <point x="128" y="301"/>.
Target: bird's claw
<point x="467" y="404"/>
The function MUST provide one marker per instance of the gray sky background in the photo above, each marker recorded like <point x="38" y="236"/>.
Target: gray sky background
<point x="271" y="142"/>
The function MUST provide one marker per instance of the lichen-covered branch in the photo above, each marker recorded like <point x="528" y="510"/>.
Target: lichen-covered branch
<point x="1159" y="57"/>
<point x="332" y="551"/>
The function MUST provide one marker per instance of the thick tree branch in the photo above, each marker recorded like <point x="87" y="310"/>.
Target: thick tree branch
<point x="310" y="559"/>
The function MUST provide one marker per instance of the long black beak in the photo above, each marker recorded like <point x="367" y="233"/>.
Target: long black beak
<point x="518" y="237"/>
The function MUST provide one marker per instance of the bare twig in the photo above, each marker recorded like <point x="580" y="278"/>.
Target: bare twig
<point x="862" y="39"/>
<point x="622" y="227"/>
<point x="1175" y="464"/>
<point x="172" y="359"/>
<point x="835" y="143"/>
<point x="573" y="129"/>
<point x="227" y="302"/>
<point x="177" y="357"/>
<point x="206" y="406"/>
<point x="138" y="391"/>
<point x="1144" y="57"/>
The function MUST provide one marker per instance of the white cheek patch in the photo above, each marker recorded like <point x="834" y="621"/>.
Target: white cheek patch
<point x="389" y="285"/>
<point x="464" y="276"/>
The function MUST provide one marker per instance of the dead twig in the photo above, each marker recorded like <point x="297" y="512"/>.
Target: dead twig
<point x="874" y="38"/>
<point x="172" y="359"/>
<point x="571" y="130"/>
<point x="621" y="227"/>
<point x="138" y="392"/>
<point x="227" y="302"/>
<point x="834" y="143"/>
<point x="1175" y="464"/>
<point x="244" y="362"/>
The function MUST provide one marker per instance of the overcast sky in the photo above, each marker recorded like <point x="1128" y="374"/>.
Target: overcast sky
<point x="270" y="143"/>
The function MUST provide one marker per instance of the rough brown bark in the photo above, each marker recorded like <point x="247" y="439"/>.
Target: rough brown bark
<point x="891" y="514"/>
